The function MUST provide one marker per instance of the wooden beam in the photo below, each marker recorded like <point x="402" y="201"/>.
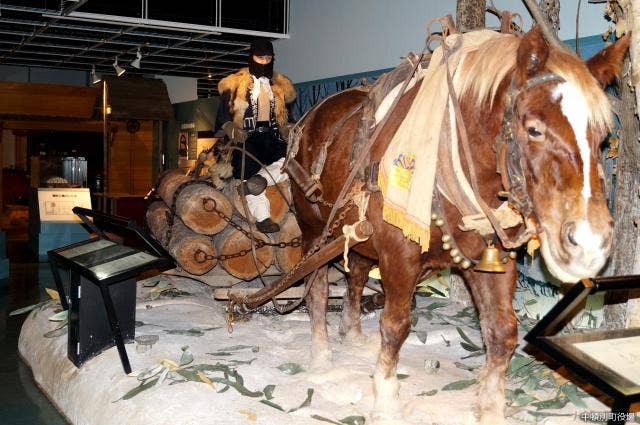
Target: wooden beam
<point x="58" y="125"/>
<point x="50" y="100"/>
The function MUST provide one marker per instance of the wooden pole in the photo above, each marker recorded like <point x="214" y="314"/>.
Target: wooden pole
<point x="548" y="33"/>
<point x="323" y="256"/>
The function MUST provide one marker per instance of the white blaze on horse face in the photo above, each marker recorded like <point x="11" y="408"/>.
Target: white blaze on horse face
<point x="574" y="107"/>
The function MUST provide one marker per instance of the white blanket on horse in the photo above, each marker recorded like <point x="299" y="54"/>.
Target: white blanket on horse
<point x="408" y="167"/>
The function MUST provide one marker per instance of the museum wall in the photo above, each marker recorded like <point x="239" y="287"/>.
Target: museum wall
<point x="337" y="37"/>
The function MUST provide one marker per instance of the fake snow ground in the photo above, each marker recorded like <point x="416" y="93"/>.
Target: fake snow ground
<point x="248" y="375"/>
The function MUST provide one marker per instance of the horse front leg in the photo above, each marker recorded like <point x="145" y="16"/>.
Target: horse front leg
<point x="493" y="295"/>
<point x="399" y="282"/>
<point x="317" y="300"/>
<point x="350" y="329"/>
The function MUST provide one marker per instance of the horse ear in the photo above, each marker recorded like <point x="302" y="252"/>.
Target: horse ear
<point x="607" y="62"/>
<point x="532" y="55"/>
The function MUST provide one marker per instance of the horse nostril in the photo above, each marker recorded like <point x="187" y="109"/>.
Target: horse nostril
<point x="568" y="231"/>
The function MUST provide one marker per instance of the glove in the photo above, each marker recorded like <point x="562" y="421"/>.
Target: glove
<point x="234" y="133"/>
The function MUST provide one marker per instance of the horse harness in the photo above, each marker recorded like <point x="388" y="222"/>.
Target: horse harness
<point x="509" y="159"/>
<point x="508" y="154"/>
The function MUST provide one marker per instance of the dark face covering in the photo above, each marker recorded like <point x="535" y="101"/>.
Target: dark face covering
<point x="258" y="70"/>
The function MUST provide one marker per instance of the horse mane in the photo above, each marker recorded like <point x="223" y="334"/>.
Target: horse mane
<point x="483" y="70"/>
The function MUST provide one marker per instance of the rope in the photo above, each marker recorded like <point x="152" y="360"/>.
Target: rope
<point x="361" y="199"/>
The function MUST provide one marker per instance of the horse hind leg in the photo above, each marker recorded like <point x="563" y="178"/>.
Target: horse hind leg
<point x="317" y="300"/>
<point x="350" y="329"/>
<point x="493" y="294"/>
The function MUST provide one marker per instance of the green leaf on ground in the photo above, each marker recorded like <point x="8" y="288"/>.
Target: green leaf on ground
<point x="323" y="419"/>
<point x="467" y="344"/>
<point x="290" y="368"/>
<point x="427" y="393"/>
<point x="28" y="308"/>
<point x="353" y="420"/>
<point x="305" y="403"/>
<point x="268" y="391"/>
<point x="140" y="388"/>
<point x="437" y="304"/>
<point x="59" y="331"/>
<point x="188" y="332"/>
<point x="459" y="385"/>
<point x="271" y="404"/>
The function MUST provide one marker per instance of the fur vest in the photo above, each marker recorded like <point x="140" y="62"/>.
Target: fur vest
<point x="239" y="86"/>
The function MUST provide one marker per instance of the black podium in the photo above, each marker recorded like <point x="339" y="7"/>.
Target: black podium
<point x="102" y="291"/>
<point x="605" y="359"/>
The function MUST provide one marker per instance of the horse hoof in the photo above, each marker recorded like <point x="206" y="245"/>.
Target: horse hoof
<point x="321" y="360"/>
<point x="389" y="414"/>
<point x="355" y="338"/>
<point x="492" y="420"/>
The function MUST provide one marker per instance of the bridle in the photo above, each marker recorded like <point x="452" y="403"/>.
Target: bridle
<point x="509" y="158"/>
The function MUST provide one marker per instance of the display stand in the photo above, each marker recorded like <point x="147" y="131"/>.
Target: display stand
<point x="102" y="292"/>
<point x="608" y="360"/>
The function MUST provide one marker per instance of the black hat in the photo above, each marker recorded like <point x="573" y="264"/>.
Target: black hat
<point x="261" y="47"/>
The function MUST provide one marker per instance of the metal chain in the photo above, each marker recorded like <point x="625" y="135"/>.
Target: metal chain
<point x="259" y="243"/>
<point x="238" y="302"/>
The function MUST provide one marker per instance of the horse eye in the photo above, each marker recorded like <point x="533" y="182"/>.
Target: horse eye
<point x="534" y="134"/>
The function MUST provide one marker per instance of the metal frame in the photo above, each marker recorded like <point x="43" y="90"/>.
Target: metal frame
<point x="545" y="336"/>
<point x="68" y="38"/>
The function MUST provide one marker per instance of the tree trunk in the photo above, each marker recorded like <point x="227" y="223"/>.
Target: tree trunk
<point x="550" y="10"/>
<point x="627" y="206"/>
<point x="631" y="15"/>
<point x="618" y="313"/>
<point x="232" y="241"/>
<point x="189" y="249"/>
<point x="470" y="15"/>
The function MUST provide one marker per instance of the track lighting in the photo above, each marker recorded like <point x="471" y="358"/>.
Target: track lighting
<point x="119" y="70"/>
<point x="95" y="78"/>
<point x="136" y="62"/>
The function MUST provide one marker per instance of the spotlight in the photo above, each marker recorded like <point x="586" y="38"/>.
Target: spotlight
<point x="136" y="62"/>
<point x="119" y="70"/>
<point x="95" y="78"/>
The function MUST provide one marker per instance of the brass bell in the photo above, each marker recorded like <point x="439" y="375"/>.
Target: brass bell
<point x="490" y="261"/>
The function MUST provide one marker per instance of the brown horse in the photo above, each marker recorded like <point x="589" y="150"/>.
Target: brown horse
<point x="558" y="125"/>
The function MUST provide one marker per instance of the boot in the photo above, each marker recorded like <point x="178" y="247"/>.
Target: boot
<point x="268" y="226"/>
<point x="255" y="185"/>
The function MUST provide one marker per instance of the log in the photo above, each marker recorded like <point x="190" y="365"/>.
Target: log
<point x="231" y="241"/>
<point x="278" y="205"/>
<point x="169" y="182"/>
<point x="288" y="257"/>
<point x="188" y="248"/>
<point x="158" y="216"/>
<point x="196" y="204"/>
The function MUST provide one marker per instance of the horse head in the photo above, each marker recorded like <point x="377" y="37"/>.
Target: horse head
<point x="561" y="114"/>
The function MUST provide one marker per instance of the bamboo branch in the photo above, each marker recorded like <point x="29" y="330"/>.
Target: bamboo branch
<point x="547" y="32"/>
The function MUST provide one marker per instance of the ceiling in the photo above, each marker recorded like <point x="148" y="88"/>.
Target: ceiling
<point x="203" y="39"/>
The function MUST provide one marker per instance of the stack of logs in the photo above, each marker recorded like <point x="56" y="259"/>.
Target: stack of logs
<point x="192" y="221"/>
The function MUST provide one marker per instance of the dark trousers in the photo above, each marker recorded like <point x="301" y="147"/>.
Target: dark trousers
<point x="266" y="147"/>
